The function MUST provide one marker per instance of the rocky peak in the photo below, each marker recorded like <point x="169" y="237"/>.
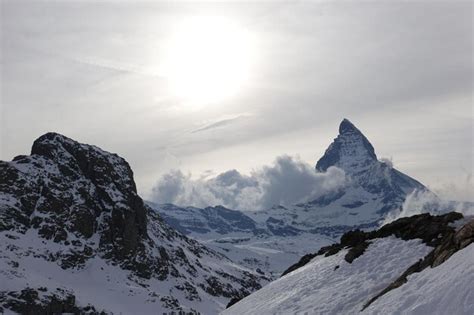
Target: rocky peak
<point x="101" y="167"/>
<point x="350" y="151"/>
<point x="67" y="188"/>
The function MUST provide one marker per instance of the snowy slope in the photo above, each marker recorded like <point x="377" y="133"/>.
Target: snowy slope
<point x="75" y="236"/>
<point x="433" y="253"/>
<point x="446" y="289"/>
<point x="320" y="288"/>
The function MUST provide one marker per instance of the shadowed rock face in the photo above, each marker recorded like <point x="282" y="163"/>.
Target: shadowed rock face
<point x="350" y="141"/>
<point x="75" y="185"/>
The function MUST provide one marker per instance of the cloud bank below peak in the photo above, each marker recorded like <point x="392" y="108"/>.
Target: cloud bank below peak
<point x="288" y="181"/>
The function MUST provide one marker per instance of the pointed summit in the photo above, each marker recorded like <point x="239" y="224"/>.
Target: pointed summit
<point x="346" y="126"/>
<point x="353" y="153"/>
<point x="350" y="151"/>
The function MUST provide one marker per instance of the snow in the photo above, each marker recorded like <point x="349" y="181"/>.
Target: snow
<point x="98" y="283"/>
<point x="445" y="289"/>
<point x="271" y="254"/>
<point x="321" y="287"/>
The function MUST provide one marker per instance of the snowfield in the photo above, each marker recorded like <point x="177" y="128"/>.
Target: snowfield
<point x="330" y="285"/>
<point x="446" y="289"/>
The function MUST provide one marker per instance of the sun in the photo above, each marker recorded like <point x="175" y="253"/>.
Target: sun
<point x="208" y="59"/>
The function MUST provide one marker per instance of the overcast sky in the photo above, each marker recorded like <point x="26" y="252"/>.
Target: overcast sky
<point x="400" y="71"/>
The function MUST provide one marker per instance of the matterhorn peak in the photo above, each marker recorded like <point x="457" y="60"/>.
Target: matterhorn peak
<point x="350" y="151"/>
<point x="346" y="126"/>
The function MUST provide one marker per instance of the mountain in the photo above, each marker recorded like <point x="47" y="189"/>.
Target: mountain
<point x="75" y="237"/>
<point x="374" y="188"/>
<point x="264" y="248"/>
<point x="265" y="238"/>
<point x="415" y="265"/>
<point x="352" y="152"/>
<point x="219" y="220"/>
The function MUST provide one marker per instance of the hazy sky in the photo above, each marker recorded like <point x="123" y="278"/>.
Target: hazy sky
<point x="400" y="71"/>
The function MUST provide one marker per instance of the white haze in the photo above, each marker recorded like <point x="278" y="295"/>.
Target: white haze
<point x="288" y="181"/>
<point x="428" y="202"/>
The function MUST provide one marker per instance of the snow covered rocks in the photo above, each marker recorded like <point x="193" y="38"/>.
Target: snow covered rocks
<point x="76" y="237"/>
<point x="416" y="265"/>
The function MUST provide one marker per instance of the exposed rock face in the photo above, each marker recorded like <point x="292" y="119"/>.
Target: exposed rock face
<point x="81" y="204"/>
<point x="457" y="241"/>
<point x="31" y="301"/>
<point x="78" y="184"/>
<point x="349" y="143"/>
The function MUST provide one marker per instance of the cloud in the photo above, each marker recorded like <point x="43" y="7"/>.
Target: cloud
<point x="427" y="202"/>
<point x="288" y="181"/>
<point x="221" y="123"/>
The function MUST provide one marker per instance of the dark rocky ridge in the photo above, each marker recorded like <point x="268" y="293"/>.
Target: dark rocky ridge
<point x="78" y="184"/>
<point x="84" y="200"/>
<point x="433" y="230"/>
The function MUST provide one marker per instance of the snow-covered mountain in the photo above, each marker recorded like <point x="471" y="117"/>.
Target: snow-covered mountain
<point x="373" y="189"/>
<point x="417" y="265"/>
<point x="260" y="239"/>
<point x="266" y="249"/>
<point x="75" y="237"/>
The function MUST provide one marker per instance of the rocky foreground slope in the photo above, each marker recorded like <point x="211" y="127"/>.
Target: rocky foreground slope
<point x="75" y="237"/>
<point x="416" y="265"/>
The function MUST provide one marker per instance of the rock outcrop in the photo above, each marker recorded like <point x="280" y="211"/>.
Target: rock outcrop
<point x="80" y="205"/>
<point x="433" y="230"/>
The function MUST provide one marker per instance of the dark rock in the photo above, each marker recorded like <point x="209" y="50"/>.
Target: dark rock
<point x="27" y="302"/>
<point x="430" y="228"/>
<point x="61" y="235"/>
<point x="333" y="153"/>
<point x="356" y="251"/>
<point x="233" y="301"/>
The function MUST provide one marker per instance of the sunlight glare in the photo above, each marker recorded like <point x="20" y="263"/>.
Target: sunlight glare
<point x="209" y="59"/>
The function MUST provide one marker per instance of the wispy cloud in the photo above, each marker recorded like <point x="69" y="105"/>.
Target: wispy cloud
<point x="221" y="123"/>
